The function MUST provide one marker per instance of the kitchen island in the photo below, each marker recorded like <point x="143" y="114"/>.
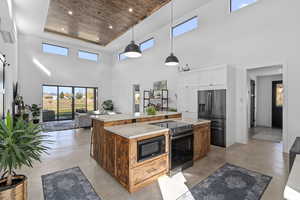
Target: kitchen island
<point x="116" y="140"/>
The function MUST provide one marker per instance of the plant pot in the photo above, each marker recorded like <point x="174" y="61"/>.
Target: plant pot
<point x="17" y="191"/>
<point x="35" y="121"/>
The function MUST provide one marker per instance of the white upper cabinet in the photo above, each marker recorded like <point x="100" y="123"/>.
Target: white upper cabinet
<point x="214" y="76"/>
<point x="218" y="76"/>
<point x="190" y="83"/>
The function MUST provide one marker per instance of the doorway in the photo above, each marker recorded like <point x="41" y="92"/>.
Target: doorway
<point x="136" y="98"/>
<point x="277" y="103"/>
<point x="252" y="103"/>
<point x="265" y="111"/>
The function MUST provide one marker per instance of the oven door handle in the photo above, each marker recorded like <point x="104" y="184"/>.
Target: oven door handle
<point x="181" y="136"/>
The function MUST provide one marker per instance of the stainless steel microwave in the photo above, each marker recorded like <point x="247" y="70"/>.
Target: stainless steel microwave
<point x="150" y="148"/>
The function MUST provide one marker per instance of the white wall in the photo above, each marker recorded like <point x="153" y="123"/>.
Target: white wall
<point x="257" y="35"/>
<point x="264" y="100"/>
<point x="65" y="70"/>
<point x="11" y="52"/>
<point x="260" y="34"/>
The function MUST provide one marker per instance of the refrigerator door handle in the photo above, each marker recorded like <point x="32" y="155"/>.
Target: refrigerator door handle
<point x="211" y="103"/>
<point x="207" y="103"/>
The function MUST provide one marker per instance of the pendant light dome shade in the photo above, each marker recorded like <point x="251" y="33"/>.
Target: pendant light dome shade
<point x="172" y="60"/>
<point x="133" y="50"/>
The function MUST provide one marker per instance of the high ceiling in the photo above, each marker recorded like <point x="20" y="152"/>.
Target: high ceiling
<point x="31" y="17"/>
<point x="98" y="21"/>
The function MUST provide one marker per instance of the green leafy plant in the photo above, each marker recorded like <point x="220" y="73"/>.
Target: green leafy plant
<point x="108" y="105"/>
<point x="151" y="110"/>
<point x="21" y="143"/>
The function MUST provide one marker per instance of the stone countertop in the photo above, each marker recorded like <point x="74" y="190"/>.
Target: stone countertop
<point x="194" y="121"/>
<point x="292" y="188"/>
<point x="136" y="130"/>
<point x="119" y="117"/>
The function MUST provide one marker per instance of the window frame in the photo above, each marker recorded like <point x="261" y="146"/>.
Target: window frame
<point x="54" y="45"/>
<point x="152" y="38"/>
<point x="89" y="52"/>
<point x="181" y="23"/>
<point x="96" y="98"/>
<point x="232" y="11"/>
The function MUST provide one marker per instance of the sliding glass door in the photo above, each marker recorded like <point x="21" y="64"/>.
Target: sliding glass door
<point x="65" y="103"/>
<point x="50" y="103"/>
<point x="61" y="102"/>
<point x="90" y="99"/>
<point x="80" y="100"/>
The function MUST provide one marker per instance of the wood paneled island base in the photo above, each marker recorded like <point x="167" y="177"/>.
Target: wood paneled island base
<point x="114" y="146"/>
<point x="118" y="155"/>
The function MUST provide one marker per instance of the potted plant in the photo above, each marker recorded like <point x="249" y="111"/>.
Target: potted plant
<point x="36" y="112"/>
<point x="20" y="144"/>
<point x="151" y="110"/>
<point x="108" y="105"/>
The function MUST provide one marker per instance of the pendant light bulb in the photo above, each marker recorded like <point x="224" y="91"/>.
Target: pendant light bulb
<point x="172" y="60"/>
<point x="133" y="50"/>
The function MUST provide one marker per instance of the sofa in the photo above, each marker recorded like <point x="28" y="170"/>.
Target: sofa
<point x="48" y="115"/>
<point x="83" y="120"/>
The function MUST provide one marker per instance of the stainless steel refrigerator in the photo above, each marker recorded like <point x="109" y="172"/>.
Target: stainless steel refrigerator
<point x="212" y="106"/>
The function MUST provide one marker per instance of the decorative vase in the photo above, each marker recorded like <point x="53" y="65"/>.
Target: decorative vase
<point x="17" y="191"/>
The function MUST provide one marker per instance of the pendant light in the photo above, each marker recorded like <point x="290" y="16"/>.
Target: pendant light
<point x="133" y="50"/>
<point x="172" y="60"/>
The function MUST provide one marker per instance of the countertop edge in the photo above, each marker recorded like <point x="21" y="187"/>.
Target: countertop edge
<point x="112" y="129"/>
<point x="131" y="117"/>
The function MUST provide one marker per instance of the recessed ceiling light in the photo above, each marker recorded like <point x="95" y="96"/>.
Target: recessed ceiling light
<point x="110" y="27"/>
<point x="63" y="29"/>
<point x="70" y="12"/>
<point x="130" y="10"/>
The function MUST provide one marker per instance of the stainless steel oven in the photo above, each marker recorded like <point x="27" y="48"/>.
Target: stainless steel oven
<point x="150" y="148"/>
<point x="181" y="151"/>
<point x="181" y="145"/>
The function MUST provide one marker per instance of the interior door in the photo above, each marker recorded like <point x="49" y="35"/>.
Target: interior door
<point x="277" y="103"/>
<point x="252" y="103"/>
<point x="136" y="98"/>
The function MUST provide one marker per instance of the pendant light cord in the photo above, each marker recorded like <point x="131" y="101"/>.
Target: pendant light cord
<point x="171" y="28"/>
<point x="132" y="34"/>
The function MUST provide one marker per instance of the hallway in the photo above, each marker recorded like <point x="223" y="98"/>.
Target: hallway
<point x="266" y="134"/>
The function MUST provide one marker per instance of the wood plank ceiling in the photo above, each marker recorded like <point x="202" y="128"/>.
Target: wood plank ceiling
<point x="97" y="21"/>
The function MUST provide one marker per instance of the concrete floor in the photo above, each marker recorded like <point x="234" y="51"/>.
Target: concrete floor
<point x="266" y="133"/>
<point x="71" y="148"/>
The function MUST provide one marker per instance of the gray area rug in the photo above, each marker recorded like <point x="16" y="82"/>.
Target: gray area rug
<point x="58" y="125"/>
<point x="230" y="182"/>
<point x="69" y="184"/>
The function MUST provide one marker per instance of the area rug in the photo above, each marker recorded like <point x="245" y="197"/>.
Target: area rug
<point x="230" y="182"/>
<point x="69" y="184"/>
<point x="58" y="125"/>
